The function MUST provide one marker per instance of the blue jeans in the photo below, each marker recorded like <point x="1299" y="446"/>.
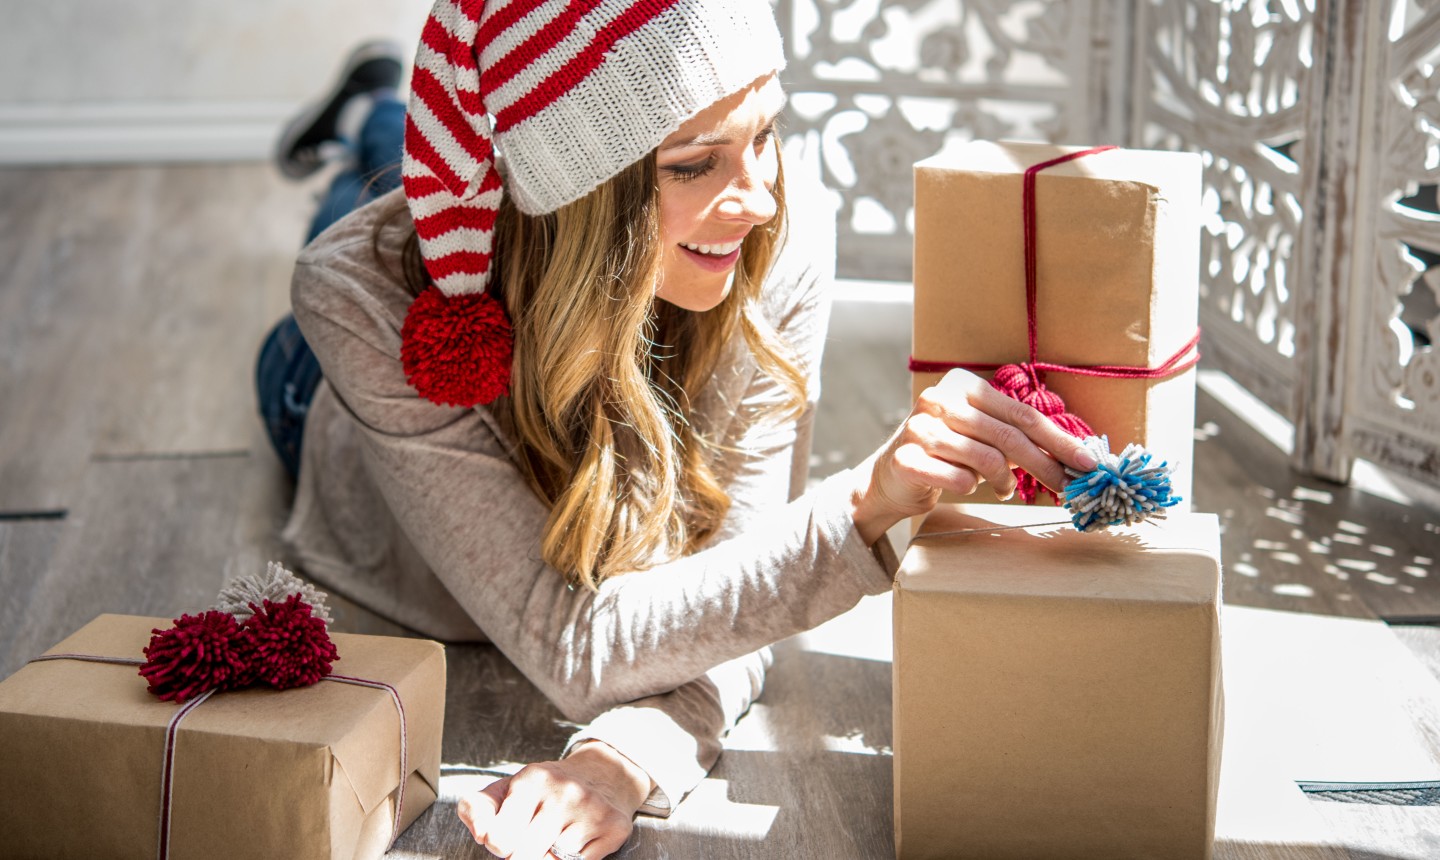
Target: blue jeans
<point x="287" y="372"/>
<point x="373" y="171"/>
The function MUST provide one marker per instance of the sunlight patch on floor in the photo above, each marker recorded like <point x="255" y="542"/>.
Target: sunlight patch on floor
<point x="863" y="633"/>
<point x="710" y="811"/>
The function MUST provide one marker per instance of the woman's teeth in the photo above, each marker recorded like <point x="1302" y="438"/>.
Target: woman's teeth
<point x="713" y="250"/>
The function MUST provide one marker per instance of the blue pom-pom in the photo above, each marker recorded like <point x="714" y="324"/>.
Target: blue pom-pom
<point x="1123" y="489"/>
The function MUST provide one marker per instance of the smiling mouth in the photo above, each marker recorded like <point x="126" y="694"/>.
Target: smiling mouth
<point x="720" y="250"/>
<point x="709" y="262"/>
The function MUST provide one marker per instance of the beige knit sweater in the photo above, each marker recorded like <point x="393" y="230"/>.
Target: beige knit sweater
<point x="416" y="511"/>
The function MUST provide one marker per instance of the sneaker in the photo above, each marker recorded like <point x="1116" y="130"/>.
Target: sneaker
<point x="301" y="149"/>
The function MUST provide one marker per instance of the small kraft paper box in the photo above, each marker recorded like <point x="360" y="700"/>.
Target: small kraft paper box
<point x="1117" y="250"/>
<point x="1057" y="694"/>
<point x="310" y="772"/>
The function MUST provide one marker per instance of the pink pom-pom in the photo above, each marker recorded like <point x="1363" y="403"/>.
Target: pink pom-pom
<point x="200" y="653"/>
<point x="1024" y="385"/>
<point x="290" y="646"/>
<point x="456" y="349"/>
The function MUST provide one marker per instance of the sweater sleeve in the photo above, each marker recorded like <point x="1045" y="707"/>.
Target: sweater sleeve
<point x="675" y="737"/>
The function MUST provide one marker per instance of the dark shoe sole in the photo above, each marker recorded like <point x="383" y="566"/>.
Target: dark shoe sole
<point x="371" y="66"/>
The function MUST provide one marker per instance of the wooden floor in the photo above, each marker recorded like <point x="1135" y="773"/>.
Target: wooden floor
<point x="134" y="478"/>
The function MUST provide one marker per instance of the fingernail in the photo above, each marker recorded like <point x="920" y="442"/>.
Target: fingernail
<point x="1087" y="460"/>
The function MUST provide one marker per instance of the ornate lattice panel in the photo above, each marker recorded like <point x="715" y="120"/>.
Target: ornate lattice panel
<point x="877" y="85"/>
<point x="1227" y="79"/>
<point x="1393" y="403"/>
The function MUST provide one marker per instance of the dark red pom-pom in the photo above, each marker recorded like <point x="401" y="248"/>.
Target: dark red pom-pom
<point x="1024" y="385"/>
<point x="456" y="349"/>
<point x="290" y="646"/>
<point x="200" y="653"/>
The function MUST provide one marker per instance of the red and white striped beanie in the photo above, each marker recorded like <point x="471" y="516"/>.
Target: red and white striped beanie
<point x="570" y="92"/>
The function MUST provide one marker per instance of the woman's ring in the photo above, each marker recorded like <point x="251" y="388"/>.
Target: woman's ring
<point x="564" y="855"/>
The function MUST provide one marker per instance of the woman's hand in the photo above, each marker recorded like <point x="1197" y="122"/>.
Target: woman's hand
<point x="960" y="432"/>
<point x="582" y="805"/>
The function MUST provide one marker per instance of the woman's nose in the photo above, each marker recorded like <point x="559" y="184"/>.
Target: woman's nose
<point x="749" y="196"/>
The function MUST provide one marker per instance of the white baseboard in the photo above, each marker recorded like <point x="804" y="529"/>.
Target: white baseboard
<point x="140" y="132"/>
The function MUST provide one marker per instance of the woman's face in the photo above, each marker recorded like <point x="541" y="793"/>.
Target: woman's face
<point x="716" y="176"/>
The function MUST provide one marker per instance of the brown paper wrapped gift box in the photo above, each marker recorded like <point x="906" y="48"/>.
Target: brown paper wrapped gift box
<point x="1118" y="256"/>
<point x="310" y="772"/>
<point x="1057" y="694"/>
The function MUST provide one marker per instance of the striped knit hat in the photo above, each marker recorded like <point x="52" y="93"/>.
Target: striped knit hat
<point x="570" y="92"/>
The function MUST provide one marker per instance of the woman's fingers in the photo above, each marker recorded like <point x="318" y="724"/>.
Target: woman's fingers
<point x="510" y="827"/>
<point x="973" y="458"/>
<point x="478" y="810"/>
<point x="534" y="843"/>
<point x="548" y="805"/>
<point x="596" y="844"/>
<point x="578" y="841"/>
<point x="971" y="406"/>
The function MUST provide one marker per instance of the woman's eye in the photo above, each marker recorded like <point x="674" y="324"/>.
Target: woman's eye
<point x="764" y="137"/>
<point x="693" y="170"/>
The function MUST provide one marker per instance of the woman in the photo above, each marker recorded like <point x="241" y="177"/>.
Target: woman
<point x="566" y="408"/>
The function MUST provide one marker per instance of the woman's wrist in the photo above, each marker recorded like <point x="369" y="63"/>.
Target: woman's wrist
<point x="625" y="781"/>
<point x="872" y="519"/>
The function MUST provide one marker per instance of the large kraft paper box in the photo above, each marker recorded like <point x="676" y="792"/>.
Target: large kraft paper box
<point x="1057" y="694"/>
<point x="306" y="773"/>
<point x="1118" y="257"/>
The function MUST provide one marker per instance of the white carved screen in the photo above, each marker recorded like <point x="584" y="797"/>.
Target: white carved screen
<point x="1227" y="79"/>
<point x="1319" y="123"/>
<point x="1392" y="412"/>
<point x="876" y="85"/>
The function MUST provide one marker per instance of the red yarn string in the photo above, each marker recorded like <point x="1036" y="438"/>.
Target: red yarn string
<point x="1031" y="265"/>
<point x="1173" y="364"/>
<point x="167" y="775"/>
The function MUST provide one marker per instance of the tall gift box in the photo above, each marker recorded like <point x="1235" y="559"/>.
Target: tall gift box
<point x="1117" y="249"/>
<point x="312" y="772"/>
<point x="1057" y="694"/>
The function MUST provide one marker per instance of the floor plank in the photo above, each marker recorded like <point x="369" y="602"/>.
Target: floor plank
<point x="116" y="335"/>
<point x="73" y="269"/>
<point x="1297" y="543"/>
<point x="26" y="549"/>
<point x="193" y="338"/>
<point x="146" y="537"/>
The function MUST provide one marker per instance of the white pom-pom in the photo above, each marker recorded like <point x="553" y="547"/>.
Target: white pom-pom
<point x="275" y="584"/>
<point x="1124" y="488"/>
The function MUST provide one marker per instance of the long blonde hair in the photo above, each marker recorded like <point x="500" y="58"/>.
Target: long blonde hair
<point x="604" y="376"/>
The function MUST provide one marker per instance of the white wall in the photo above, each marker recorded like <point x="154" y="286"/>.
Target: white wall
<point x="163" y="80"/>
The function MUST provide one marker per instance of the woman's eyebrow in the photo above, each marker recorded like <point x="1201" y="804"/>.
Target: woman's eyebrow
<point x="715" y="138"/>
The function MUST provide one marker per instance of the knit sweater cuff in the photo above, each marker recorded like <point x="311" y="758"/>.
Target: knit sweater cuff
<point x="874" y="567"/>
<point x="654" y="742"/>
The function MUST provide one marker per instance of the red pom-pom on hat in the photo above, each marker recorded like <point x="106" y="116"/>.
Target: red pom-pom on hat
<point x="291" y="647"/>
<point x="456" y="349"/>
<point x="1023" y="383"/>
<point x="200" y="653"/>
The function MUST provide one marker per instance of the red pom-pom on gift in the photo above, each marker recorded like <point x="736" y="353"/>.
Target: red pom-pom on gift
<point x="290" y="647"/>
<point x="1023" y="383"/>
<point x="200" y="653"/>
<point x="456" y="349"/>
